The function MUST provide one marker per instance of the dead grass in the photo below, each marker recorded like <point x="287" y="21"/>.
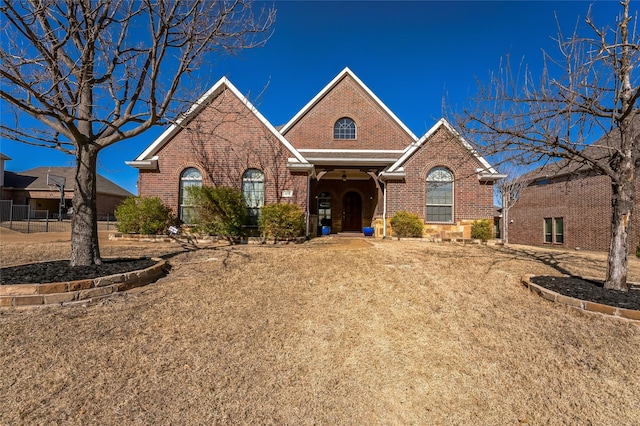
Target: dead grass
<point x="329" y="332"/>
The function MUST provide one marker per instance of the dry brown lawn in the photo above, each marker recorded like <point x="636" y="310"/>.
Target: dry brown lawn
<point x="331" y="332"/>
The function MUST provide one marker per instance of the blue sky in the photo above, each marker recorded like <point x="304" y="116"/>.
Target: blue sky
<point x="413" y="55"/>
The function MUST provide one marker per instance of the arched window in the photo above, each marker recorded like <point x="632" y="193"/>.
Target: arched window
<point x="440" y="195"/>
<point x="345" y="128"/>
<point x="253" y="193"/>
<point x="189" y="177"/>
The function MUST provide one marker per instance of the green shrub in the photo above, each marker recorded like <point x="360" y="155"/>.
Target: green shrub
<point x="281" y="221"/>
<point x="406" y="224"/>
<point x="219" y="210"/>
<point x="143" y="215"/>
<point x="482" y="230"/>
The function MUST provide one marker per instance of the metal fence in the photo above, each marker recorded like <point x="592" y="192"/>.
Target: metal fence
<point x="23" y="218"/>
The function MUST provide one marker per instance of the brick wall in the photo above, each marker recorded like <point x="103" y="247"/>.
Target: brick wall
<point x="223" y="141"/>
<point x="584" y="204"/>
<point x="473" y="199"/>
<point x="375" y="129"/>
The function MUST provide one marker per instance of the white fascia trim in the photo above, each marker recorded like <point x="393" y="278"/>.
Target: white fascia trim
<point x="200" y="103"/>
<point x="151" y="164"/>
<point x="442" y="122"/>
<point x="359" y="161"/>
<point x="488" y="177"/>
<point x="355" y="151"/>
<point x="328" y="87"/>
<point x="387" y="176"/>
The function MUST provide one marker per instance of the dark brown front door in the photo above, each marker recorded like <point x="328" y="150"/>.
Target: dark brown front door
<point x="352" y="212"/>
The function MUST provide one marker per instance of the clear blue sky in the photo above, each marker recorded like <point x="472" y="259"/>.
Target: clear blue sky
<point x="412" y="55"/>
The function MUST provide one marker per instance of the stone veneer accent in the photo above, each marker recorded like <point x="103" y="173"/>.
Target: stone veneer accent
<point x="583" y="305"/>
<point x="81" y="291"/>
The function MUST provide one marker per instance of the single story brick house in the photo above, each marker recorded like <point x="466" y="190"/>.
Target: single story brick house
<point x="569" y="205"/>
<point x="345" y="158"/>
<point x="30" y="188"/>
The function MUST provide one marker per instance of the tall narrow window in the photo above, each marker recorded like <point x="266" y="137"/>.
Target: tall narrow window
<point x="253" y="193"/>
<point x="189" y="177"/>
<point x="345" y="128"/>
<point x="559" y="234"/>
<point x="324" y="209"/>
<point x="548" y="230"/>
<point x="440" y="195"/>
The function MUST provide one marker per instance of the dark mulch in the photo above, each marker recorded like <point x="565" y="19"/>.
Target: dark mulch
<point x="60" y="271"/>
<point x="591" y="291"/>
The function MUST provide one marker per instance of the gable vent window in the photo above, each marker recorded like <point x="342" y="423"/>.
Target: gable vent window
<point x="345" y="128"/>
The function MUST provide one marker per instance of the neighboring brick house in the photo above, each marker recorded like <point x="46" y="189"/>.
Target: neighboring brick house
<point x="569" y="205"/>
<point x="30" y="188"/>
<point x="345" y="158"/>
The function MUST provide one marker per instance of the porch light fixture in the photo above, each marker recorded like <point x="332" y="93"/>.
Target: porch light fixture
<point x="344" y="176"/>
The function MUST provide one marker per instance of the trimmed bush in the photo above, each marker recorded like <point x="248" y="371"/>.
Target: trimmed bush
<point x="405" y="224"/>
<point x="219" y="210"/>
<point x="482" y="230"/>
<point x="143" y="215"/>
<point x="281" y="221"/>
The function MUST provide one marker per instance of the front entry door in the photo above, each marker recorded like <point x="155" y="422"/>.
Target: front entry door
<point x="352" y="212"/>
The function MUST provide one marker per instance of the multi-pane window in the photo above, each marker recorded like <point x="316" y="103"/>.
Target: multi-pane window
<point x="253" y="193"/>
<point x="440" y="195"/>
<point x="345" y="128"/>
<point x="554" y="230"/>
<point x="189" y="177"/>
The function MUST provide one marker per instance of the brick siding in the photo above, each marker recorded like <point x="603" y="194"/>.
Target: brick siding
<point x="223" y="141"/>
<point x="583" y="202"/>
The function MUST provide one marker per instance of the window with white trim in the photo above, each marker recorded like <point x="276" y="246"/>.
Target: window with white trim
<point x="188" y="177"/>
<point x="440" y="195"/>
<point x="253" y="193"/>
<point x="345" y="128"/>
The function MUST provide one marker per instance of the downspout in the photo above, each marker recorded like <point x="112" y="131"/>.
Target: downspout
<point x="384" y="209"/>
<point x="308" y="204"/>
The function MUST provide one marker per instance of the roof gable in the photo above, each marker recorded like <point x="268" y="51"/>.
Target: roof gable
<point x="487" y="169"/>
<point x="148" y="155"/>
<point x="346" y="72"/>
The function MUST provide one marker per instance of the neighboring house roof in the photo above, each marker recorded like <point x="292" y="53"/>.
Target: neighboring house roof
<point x="487" y="172"/>
<point x="333" y="83"/>
<point x="36" y="180"/>
<point x="599" y="152"/>
<point x="147" y="159"/>
<point x="4" y="157"/>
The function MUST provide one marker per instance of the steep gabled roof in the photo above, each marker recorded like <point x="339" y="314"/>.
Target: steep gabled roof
<point x="147" y="158"/>
<point x="36" y="180"/>
<point x="333" y="83"/>
<point x="487" y="172"/>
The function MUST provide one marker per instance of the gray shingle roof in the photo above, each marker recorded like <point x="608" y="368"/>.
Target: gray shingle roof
<point x="36" y="180"/>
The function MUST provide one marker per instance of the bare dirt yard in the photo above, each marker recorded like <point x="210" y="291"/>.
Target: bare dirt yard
<point x="333" y="331"/>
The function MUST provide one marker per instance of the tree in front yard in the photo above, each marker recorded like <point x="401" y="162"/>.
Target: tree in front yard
<point x="589" y="87"/>
<point x="97" y="72"/>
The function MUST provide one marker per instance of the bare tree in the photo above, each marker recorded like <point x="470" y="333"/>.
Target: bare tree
<point x="590" y="88"/>
<point x="507" y="193"/>
<point x="96" y="72"/>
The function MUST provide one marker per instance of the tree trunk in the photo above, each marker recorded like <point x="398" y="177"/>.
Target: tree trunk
<point x="622" y="209"/>
<point x="84" y="228"/>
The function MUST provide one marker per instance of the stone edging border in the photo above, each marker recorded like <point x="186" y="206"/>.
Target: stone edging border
<point x="583" y="305"/>
<point x="80" y="291"/>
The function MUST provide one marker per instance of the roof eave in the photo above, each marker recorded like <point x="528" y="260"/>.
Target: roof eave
<point x="490" y="177"/>
<point x="151" y="164"/>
